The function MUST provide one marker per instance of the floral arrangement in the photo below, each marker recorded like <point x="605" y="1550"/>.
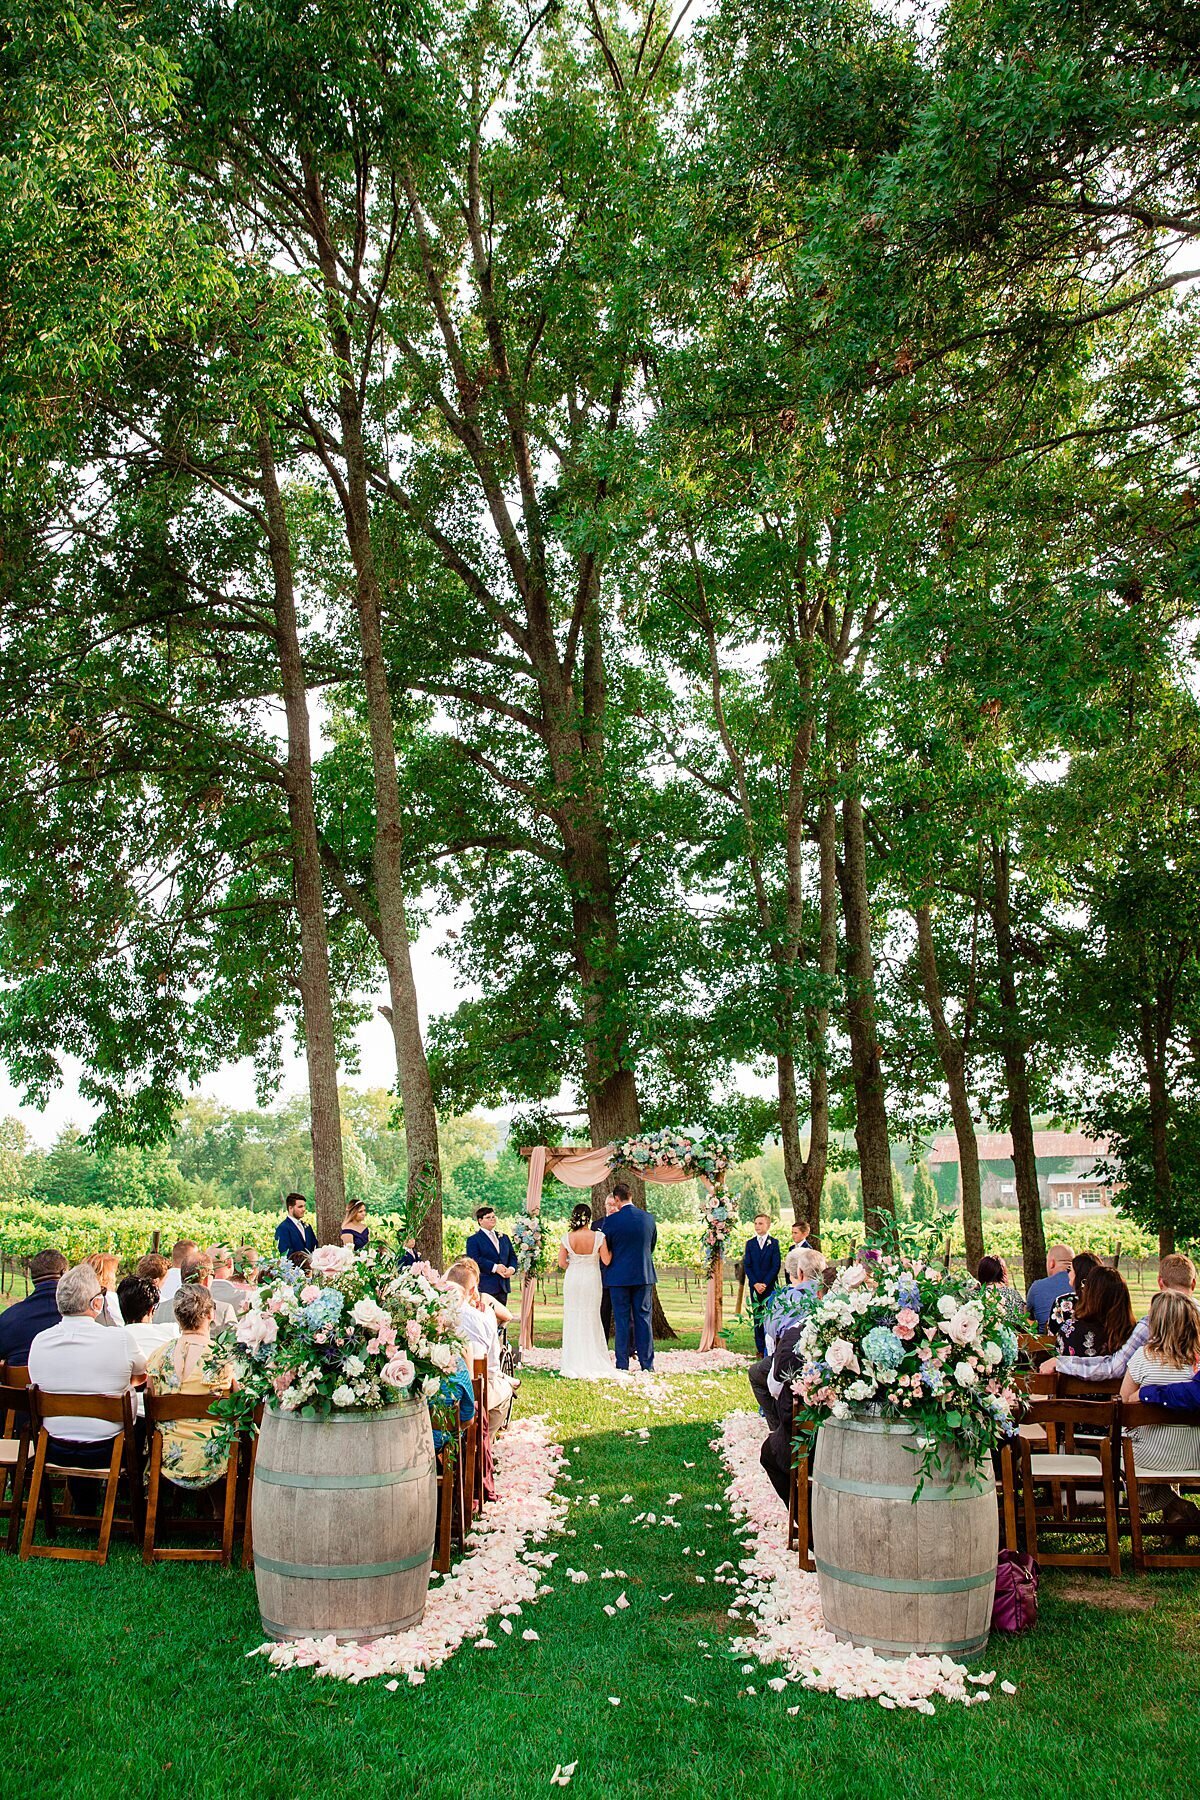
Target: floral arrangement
<point x="529" y="1245"/>
<point x="718" y="1217"/>
<point x="350" y="1332"/>
<point x="673" y="1151"/>
<point x="913" y="1343"/>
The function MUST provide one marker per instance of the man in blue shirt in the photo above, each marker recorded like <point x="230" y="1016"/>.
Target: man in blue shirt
<point x="21" y="1322"/>
<point x="1057" y="1280"/>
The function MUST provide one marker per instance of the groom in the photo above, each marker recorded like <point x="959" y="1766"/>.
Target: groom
<point x="628" y="1277"/>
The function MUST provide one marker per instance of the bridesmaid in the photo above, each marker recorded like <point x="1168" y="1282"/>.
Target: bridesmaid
<point x="355" y="1232"/>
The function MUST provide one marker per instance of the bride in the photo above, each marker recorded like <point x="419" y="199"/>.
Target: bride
<point x="584" y="1351"/>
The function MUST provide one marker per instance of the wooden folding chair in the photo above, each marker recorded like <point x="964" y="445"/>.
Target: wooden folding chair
<point x="479" y="1381"/>
<point x="800" y="1504"/>
<point x="450" y="1495"/>
<point x="248" y="1492"/>
<point x="124" y="1460"/>
<point x="165" y="1409"/>
<point x="15" y="1447"/>
<point x="1133" y="1413"/>
<point x="1066" y="1469"/>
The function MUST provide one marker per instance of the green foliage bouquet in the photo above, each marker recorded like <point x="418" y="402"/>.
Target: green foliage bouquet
<point x="529" y="1245"/>
<point x="911" y="1343"/>
<point x="670" y="1149"/>
<point x="348" y="1333"/>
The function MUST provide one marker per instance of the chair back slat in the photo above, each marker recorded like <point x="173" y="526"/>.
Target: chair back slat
<point x="1055" y="1410"/>
<point x="1134" y="1412"/>
<point x="164" y="1408"/>
<point x="114" y="1409"/>
<point x="13" y="1375"/>
<point x="1074" y="1387"/>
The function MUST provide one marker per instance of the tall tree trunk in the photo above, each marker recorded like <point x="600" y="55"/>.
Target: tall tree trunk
<point x="954" y="1064"/>
<point x="1016" y="1075"/>
<point x="870" y="1126"/>
<point x="1153" y="1049"/>
<point x="316" y="996"/>
<point x="412" y="1067"/>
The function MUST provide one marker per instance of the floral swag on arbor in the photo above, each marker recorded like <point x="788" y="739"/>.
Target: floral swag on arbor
<point x="657" y="1156"/>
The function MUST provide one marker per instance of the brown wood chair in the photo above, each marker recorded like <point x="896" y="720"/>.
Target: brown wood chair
<point x="800" y="1505"/>
<point x="1078" y="1457"/>
<point x="165" y="1409"/>
<point x="451" y="1497"/>
<point x="1036" y="1346"/>
<point x="248" y="1462"/>
<point x="479" y="1381"/>
<point x="16" y="1447"/>
<point x="1133" y="1413"/>
<point x="124" y="1461"/>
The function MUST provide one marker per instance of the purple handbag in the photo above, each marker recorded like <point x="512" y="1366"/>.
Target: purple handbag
<point x="1016" y="1604"/>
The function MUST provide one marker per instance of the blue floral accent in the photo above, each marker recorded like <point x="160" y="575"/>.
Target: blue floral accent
<point x="908" y="1294"/>
<point x="1007" y="1341"/>
<point x="883" y="1348"/>
<point x="932" y="1378"/>
<point x="324" y="1309"/>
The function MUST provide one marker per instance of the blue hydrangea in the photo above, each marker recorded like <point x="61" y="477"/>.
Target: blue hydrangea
<point x="324" y="1309"/>
<point x="883" y="1348"/>
<point x="932" y="1378"/>
<point x="1007" y="1340"/>
<point x="908" y="1294"/>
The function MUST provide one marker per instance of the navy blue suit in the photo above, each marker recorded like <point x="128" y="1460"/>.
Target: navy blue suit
<point x="21" y="1322"/>
<point x="1184" y="1396"/>
<point x="761" y="1265"/>
<point x="631" y="1235"/>
<point x="482" y="1250"/>
<point x="291" y="1235"/>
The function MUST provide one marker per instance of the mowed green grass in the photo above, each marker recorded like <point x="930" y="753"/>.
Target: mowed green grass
<point x="132" y="1682"/>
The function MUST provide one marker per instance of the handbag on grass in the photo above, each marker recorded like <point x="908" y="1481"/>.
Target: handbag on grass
<point x="1016" y="1604"/>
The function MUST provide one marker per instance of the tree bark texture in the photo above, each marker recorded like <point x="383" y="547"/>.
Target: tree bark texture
<point x="316" y="994"/>
<point x="1152" y="1036"/>
<point x="952" y="1057"/>
<point x="871" y="1126"/>
<point x="1014" y="1056"/>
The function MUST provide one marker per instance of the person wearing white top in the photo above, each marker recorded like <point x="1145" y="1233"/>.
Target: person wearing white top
<point x="138" y="1298"/>
<point x="478" y="1326"/>
<point x="78" y="1356"/>
<point x="173" y="1279"/>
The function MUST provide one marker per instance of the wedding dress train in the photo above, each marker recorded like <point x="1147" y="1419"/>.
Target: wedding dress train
<point x="584" y="1350"/>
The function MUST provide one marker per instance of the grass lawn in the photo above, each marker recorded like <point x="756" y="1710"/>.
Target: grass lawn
<point x="133" y="1682"/>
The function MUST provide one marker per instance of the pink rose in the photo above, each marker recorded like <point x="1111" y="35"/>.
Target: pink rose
<point x="331" y="1259"/>
<point x="854" y="1277"/>
<point x="399" y="1373"/>
<point x="412" y="1332"/>
<point x="308" y="1293"/>
<point x="906" y="1323"/>
<point x="255" y="1328"/>
<point x="840" y="1356"/>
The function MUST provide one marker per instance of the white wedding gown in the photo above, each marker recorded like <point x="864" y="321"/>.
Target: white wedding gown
<point x="584" y="1351"/>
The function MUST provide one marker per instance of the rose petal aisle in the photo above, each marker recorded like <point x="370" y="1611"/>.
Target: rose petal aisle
<point x="666" y="1362"/>
<point x="784" y="1604"/>
<point x="501" y="1573"/>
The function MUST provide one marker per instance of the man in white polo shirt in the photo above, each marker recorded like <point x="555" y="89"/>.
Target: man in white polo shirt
<point x="78" y="1356"/>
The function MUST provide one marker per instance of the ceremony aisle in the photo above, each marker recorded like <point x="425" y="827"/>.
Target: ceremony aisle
<point x="132" y="1681"/>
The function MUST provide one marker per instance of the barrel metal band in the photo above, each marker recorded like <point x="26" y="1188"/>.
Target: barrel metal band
<point x="361" y="1416"/>
<point x="962" y="1647"/>
<point x="386" y="1629"/>
<point x="879" y="1490"/>
<point x="891" y="1584"/>
<point x="876" y="1427"/>
<point x="340" y="1571"/>
<point x="382" y="1478"/>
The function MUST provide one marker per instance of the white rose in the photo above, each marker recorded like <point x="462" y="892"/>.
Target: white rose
<point x="343" y="1396"/>
<point x="992" y="1354"/>
<point x="947" y="1306"/>
<point x="442" y="1357"/>
<point x="353" y="1365"/>
<point x="859" y="1390"/>
<point x="369" y="1314"/>
<point x="429" y="1387"/>
<point x="965" y="1375"/>
<point x="964" y="1326"/>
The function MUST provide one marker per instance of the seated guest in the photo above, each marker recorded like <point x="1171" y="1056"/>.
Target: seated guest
<point x="77" y="1356"/>
<point x="789" y="1306"/>
<point x="1103" y="1316"/>
<point x="455" y="1386"/>
<point x="197" y="1271"/>
<point x="762" y="1263"/>
<point x="293" y="1234"/>
<point x="138" y="1299"/>
<point x="1042" y="1294"/>
<point x="21" y="1322"/>
<point x="776" y="1453"/>
<point x="1176" y="1275"/>
<point x="191" y="1455"/>
<point x="478" y="1325"/>
<point x="244" y="1279"/>
<point x="152" y="1267"/>
<point x="1063" y="1310"/>
<point x="183" y="1247"/>
<point x="993" y="1273"/>
<point x="222" y="1288"/>
<point x="1169" y="1356"/>
<point x="355" y="1233"/>
<point x="107" y="1267"/>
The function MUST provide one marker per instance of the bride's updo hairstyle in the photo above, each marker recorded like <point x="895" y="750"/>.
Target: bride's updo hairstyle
<point x="581" y="1217"/>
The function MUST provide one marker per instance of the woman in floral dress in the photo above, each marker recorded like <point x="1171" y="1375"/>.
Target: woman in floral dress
<point x="191" y="1455"/>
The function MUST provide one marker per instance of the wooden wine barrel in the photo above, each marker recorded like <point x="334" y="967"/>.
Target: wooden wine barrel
<point x="345" y="1509"/>
<point x="896" y="1574"/>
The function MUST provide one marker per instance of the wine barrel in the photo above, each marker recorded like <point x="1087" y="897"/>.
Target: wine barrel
<point x="896" y="1574"/>
<point x="344" y="1511"/>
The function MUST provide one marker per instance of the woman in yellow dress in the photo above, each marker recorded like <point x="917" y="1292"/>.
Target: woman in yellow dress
<point x="190" y="1456"/>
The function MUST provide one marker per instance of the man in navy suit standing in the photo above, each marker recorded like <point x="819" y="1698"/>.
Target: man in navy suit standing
<point x="762" y="1264"/>
<point x="627" y="1271"/>
<point x="492" y="1249"/>
<point x="291" y="1233"/>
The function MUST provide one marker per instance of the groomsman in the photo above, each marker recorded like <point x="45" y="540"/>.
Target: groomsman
<point x="492" y="1249"/>
<point x="762" y="1264"/>
<point x="291" y="1233"/>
